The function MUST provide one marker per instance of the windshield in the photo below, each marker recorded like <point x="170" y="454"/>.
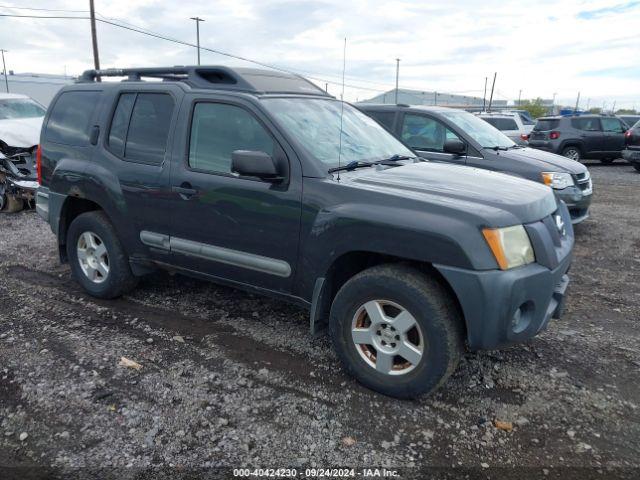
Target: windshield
<point x="20" y="108"/>
<point x="315" y="123"/>
<point x="483" y="133"/>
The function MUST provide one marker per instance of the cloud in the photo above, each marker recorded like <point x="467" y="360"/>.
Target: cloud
<point x="601" y="12"/>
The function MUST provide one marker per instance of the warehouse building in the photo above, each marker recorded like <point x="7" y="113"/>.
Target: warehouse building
<point x="40" y="86"/>
<point x="417" y="97"/>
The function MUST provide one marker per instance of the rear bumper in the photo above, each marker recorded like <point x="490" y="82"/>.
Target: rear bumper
<point x="631" y="156"/>
<point x="542" y="145"/>
<point x="506" y="307"/>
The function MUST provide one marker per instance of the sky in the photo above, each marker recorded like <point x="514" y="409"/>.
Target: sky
<point x="541" y="48"/>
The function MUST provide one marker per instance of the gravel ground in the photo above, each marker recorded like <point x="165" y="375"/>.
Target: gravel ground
<point x="230" y="379"/>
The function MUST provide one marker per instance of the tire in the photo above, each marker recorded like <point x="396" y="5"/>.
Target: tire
<point x="10" y="204"/>
<point x="402" y="293"/>
<point x="104" y="271"/>
<point x="572" y="152"/>
<point x="607" y="161"/>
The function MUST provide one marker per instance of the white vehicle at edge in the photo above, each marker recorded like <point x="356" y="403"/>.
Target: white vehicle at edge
<point x="20" y="123"/>
<point x="509" y="123"/>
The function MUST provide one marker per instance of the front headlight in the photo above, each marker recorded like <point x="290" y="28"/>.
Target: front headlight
<point x="510" y="245"/>
<point x="557" y="180"/>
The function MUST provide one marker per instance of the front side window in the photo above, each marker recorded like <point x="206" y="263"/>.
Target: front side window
<point x="217" y="130"/>
<point x="69" y="121"/>
<point x="425" y="133"/>
<point x="11" y="108"/>
<point x="315" y="125"/>
<point x="483" y="133"/>
<point x="612" y="125"/>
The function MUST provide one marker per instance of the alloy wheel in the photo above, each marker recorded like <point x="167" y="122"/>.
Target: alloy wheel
<point x="93" y="257"/>
<point x="387" y="337"/>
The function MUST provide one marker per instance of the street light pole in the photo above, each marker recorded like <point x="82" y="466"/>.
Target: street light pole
<point x="198" y="20"/>
<point x="4" y="69"/>
<point x="397" y="76"/>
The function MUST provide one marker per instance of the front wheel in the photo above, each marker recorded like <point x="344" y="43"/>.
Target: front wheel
<point x="573" y="153"/>
<point x="396" y="330"/>
<point x="98" y="261"/>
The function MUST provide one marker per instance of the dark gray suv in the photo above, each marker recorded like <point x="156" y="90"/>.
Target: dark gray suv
<point x="580" y="136"/>
<point x="449" y="135"/>
<point x="260" y="180"/>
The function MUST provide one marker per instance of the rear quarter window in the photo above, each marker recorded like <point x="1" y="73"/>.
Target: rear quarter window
<point x="503" y="124"/>
<point x="544" y="125"/>
<point x="70" y="118"/>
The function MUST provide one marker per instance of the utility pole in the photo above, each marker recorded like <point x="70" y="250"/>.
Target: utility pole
<point x="519" y="97"/>
<point x="397" y="77"/>
<point x="4" y="69"/>
<point x="94" y="38"/>
<point x="575" y="110"/>
<point x="435" y="98"/>
<point x="198" y="20"/>
<point x="484" y="97"/>
<point x="326" y="87"/>
<point x="492" y="87"/>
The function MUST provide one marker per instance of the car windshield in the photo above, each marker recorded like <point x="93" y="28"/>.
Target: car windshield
<point x="483" y="133"/>
<point x="20" y="108"/>
<point x="315" y="123"/>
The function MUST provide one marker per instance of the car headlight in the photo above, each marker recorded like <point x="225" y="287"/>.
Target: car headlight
<point x="510" y="245"/>
<point x="557" y="180"/>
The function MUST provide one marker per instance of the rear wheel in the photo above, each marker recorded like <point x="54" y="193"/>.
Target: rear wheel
<point x="98" y="261"/>
<point x="396" y="330"/>
<point x="572" y="152"/>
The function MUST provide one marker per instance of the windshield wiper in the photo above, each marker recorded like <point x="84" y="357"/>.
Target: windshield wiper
<point x="357" y="164"/>
<point x="350" y="166"/>
<point x="393" y="158"/>
<point x="496" y="148"/>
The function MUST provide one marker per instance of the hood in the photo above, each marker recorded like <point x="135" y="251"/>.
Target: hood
<point x="495" y="198"/>
<point x="21" y="132"/>
<point x="545" y="160"/>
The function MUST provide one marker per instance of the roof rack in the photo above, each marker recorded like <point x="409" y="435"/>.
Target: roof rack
<point x="215" y="77"/>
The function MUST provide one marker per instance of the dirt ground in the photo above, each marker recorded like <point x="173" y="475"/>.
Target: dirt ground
<point x="232" y="380"/>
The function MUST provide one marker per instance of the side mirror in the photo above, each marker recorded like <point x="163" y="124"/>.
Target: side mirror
<point x="455" y="146"/>
<point x="250" y="163"/>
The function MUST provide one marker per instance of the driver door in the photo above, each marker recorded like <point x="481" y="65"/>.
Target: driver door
<point x="426" y="136"/>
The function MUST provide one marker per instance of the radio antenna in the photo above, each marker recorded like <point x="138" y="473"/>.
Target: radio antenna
<point x="344" y="64"/>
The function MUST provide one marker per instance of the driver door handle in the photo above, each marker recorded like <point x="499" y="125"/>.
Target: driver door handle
<point x="185" y="190"/>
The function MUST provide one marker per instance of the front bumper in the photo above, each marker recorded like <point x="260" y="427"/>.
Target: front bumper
<point x="506" y="307"/>
<point x="578" y="202"/>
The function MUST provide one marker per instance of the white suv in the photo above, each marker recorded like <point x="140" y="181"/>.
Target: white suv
<point x="509" y="123"/>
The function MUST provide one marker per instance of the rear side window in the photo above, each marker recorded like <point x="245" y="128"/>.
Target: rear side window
<point x="70" y="118"/>
<point x="502" y="123"/>
<point x="140" y="127"/>
<point x="586" y="124"/>
<point x="217" y="130"/>
<point x="612" y="125"/>
<point x="547" y="124"/>
<point x="384" y="118"/>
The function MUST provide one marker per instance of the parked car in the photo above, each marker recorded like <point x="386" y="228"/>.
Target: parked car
<point x="632" y="151"/>
<point x="629" y="120"/>
<point x="510" y="124"/>
<point x="448" y="135"/>
<point x="261" y="180"/>
<point x="580" y="136"/>
<point x="20" y="125"/>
